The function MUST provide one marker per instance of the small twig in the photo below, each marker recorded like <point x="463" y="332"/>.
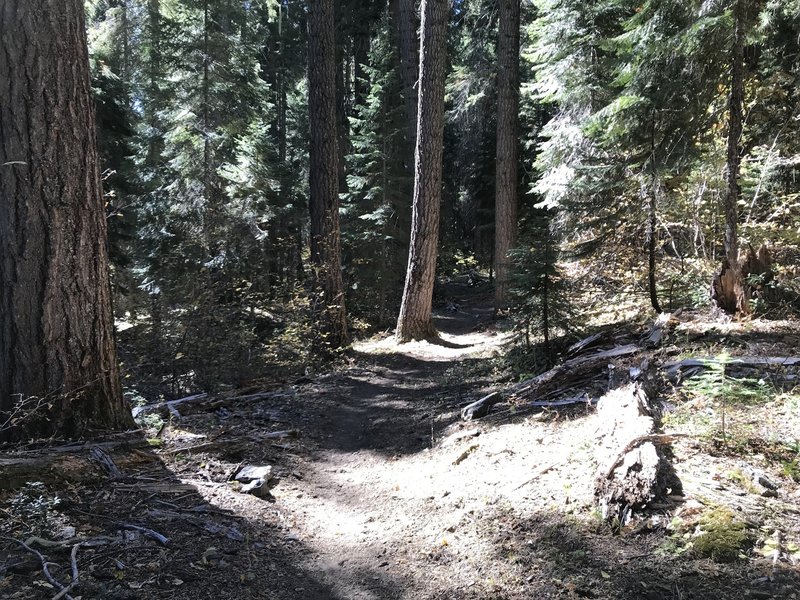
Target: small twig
<point x="62" y="588"/>
<point x="163" y="540"/>
<point x="73" y="556"/>
<point x="536" y="475"/>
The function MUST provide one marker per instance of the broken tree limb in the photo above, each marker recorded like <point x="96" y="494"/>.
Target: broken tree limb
<point x="585" y="343"/>
<point x="632" y="470"/>
<point x="45" y="569"/>
<point x="480" y="408"/>
<point x="163" y="540"/>
<point x="103" y="458"/>
<point x="170" y="407"/>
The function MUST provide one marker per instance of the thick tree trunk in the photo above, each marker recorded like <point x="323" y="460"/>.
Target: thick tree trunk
<point x="342" y="40"/>
<point x="57" y="347"/>
<point x="361" y="38"/>
<point x="506" y="180"/>
<point x="328" y="299"/>
<point x="404" y="15"/>
<point x="728" y="287"/>
<point x="415" y="311"/>
<point x="155" y="141"/>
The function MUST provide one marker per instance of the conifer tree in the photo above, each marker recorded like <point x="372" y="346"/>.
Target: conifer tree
<point x="58" y="361"/>
<point x="415" y="320"/>
<point x="507" y="145"/>
<point x="324" y="201"/>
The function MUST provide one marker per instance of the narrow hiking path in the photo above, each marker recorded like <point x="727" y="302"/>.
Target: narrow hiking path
<point x="384" y="494"/>
<point x="369" y="504"/>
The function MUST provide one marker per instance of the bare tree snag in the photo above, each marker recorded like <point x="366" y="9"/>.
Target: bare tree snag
<point x="731" y="290"/>
<point x="631" y="469"/>
<point x="728" y="290"/>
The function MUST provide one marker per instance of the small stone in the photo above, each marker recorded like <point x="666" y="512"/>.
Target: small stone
<point x="258" y="488"/>
<point x="250" y="473"/>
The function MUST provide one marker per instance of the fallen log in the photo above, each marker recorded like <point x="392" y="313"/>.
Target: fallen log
<point x="681" y="369"/>
<point x="569" y="370"/>
<point x="632" y="471"/>
<point x="71" y="463"/>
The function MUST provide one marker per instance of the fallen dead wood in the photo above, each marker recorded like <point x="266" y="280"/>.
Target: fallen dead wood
<point x="170" y="407"/>
<point x="681" y="369"/>
<point x="231" y="443"/>
<point x="63" y="590"/>
<point x="177" y="409"/>
<point x="147" y="532"/>
<point x="103" y="458"/>
<point x="480" y="408"/>
<point x="585" y="343"/>
<point x="77" y="463"/>
<point x="655" y="336"/>
<point x="569" y="370"/>
<point x="557" y="380"/>
<point x="631" y="467"/>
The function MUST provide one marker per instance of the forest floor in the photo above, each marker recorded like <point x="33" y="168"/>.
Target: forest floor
<point x="378" y="497"/>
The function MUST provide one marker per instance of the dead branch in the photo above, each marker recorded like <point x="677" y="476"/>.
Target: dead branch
<point x="163" y="540"/>
<point x="63" y="589"/>
<point x="480" y="408"/>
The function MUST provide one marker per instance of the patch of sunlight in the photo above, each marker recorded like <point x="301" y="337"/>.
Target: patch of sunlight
<point x="448" y="347"/>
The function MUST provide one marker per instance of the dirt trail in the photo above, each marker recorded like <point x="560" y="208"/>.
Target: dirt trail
<point x="370" y="504"/>
<point x="375" y="500"/>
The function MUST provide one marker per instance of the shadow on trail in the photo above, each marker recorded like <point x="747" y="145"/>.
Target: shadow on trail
<point x="217" y="544"/>
<point x="393" y="404"/>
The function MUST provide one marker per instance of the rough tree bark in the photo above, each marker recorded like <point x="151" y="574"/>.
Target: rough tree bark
<point x="728" y="287"/>
<point x="415" y="320"/>
<point x="57" y="346"/>
<point x="404" y="15"/>
<point x="506" y="180"/>
<point x="328" y="299"/>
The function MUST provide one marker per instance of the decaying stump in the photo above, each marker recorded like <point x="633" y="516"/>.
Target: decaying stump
<point x="730" y="289"/>
<point x="631" y="467"/>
